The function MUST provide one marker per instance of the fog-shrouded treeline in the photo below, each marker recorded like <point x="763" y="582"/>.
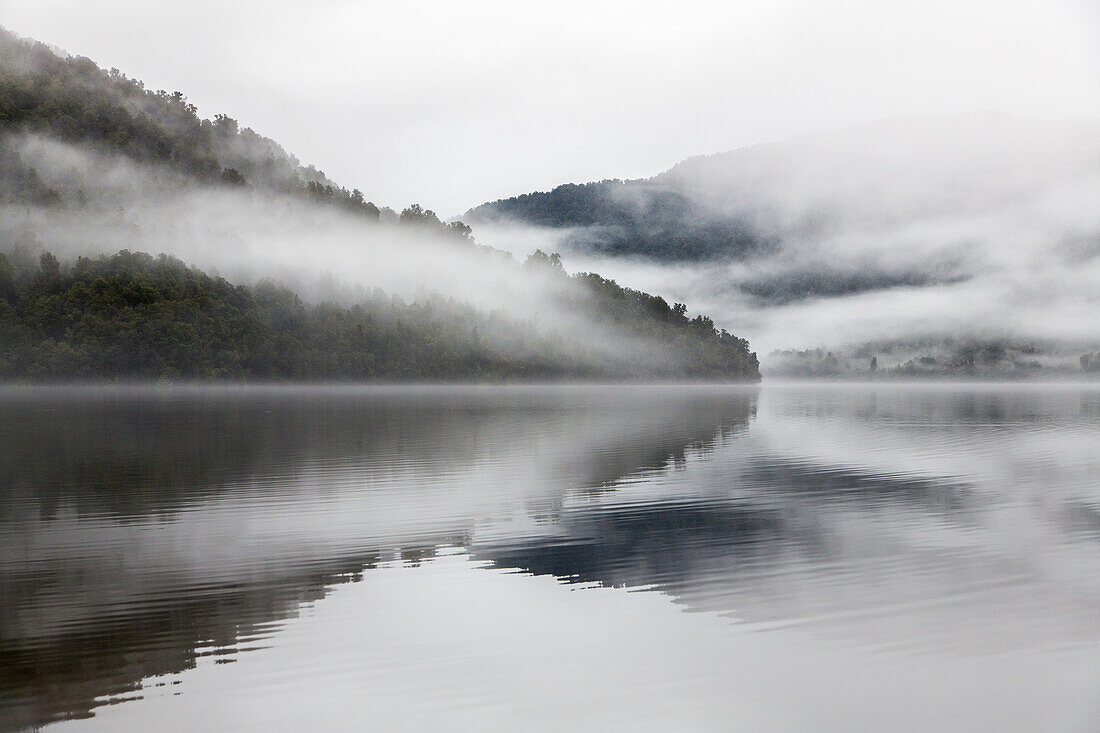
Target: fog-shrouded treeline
<point x="976" y="231"/>
<point x="259" y="267"/>
<point x="74" y="100"/>
<point x="934" y="359"/>
<point x="133" y="315"/>
<point x="630" y="218"/>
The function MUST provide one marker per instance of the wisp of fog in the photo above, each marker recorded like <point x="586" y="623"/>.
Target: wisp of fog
<point x="321" y="252"/>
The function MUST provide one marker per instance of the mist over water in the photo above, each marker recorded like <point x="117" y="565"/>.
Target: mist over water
<point x="875" y="557"/>
<point x="966" y="226"/>
<point x="265" y="555"/>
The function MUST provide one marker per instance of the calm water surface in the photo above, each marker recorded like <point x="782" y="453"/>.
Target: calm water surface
<point x="786" y="557"/>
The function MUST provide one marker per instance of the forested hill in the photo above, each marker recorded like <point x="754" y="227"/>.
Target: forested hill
<point x="95" y="169"/>
<point x="73" y="100"/>
<point x="643" y="218"/>
<point x="133" y="316"/>
<point x="872" y="182"/>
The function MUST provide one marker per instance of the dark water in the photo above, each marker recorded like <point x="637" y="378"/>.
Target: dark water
<point x="597" y="558"/>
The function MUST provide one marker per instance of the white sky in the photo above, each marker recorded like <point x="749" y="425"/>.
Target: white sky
<point x="455" y="103"/>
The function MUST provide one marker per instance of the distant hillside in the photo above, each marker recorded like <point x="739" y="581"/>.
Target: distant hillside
<point x="965" y="232"/>
<point x="898" y="204"/>
<point x="646" y="218"/>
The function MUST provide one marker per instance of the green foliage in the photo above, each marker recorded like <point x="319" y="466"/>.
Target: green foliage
<point x="134" y="316"/>
<point x="539" y="259"/>
<point x="417" y="215"/>
<point x="232" y="177"/>
<point x="7" y="280"/>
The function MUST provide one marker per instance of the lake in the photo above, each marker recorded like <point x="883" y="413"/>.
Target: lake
<point x="692" y="558"/>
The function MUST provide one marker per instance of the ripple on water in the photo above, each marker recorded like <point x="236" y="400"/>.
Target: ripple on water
<point x="522" y="558"/>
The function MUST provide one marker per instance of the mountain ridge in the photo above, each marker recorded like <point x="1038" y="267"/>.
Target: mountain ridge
<point x="737" y="204"/>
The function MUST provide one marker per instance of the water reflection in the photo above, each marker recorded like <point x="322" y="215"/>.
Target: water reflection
<point x="897" y="516"/>
<point x="143" y="530"/>
<point x="142" y="526"/>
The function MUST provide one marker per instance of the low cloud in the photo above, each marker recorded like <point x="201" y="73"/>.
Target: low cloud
<point x="979" y="226"/>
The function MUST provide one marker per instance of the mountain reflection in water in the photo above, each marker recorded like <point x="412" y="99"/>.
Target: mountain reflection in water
<point x="146" y="529"/>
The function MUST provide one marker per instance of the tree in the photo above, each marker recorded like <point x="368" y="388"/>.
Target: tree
<point x="49" y="269"/>
<point x="232" y="177"/>
<point x="460" y="230"/>
<point x="417" y="215"/>
<point x="538" y="258"/>
<point x="225" y="125"/>
<point x="7" y="280"/>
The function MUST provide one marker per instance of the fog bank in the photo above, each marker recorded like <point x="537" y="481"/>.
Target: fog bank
<point x="978" y="226"/>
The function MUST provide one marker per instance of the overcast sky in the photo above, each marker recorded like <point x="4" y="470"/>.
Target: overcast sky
<point x="455" y="103"/>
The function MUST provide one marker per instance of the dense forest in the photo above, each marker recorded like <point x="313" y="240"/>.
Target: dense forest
<point x="135" y="316"/>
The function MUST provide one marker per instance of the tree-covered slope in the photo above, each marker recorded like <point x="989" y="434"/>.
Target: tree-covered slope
<point x="812" y="200"/>
<point x="642" y="218"/>
<point x="134" y="316"/>
<point x="72" y="99"/>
